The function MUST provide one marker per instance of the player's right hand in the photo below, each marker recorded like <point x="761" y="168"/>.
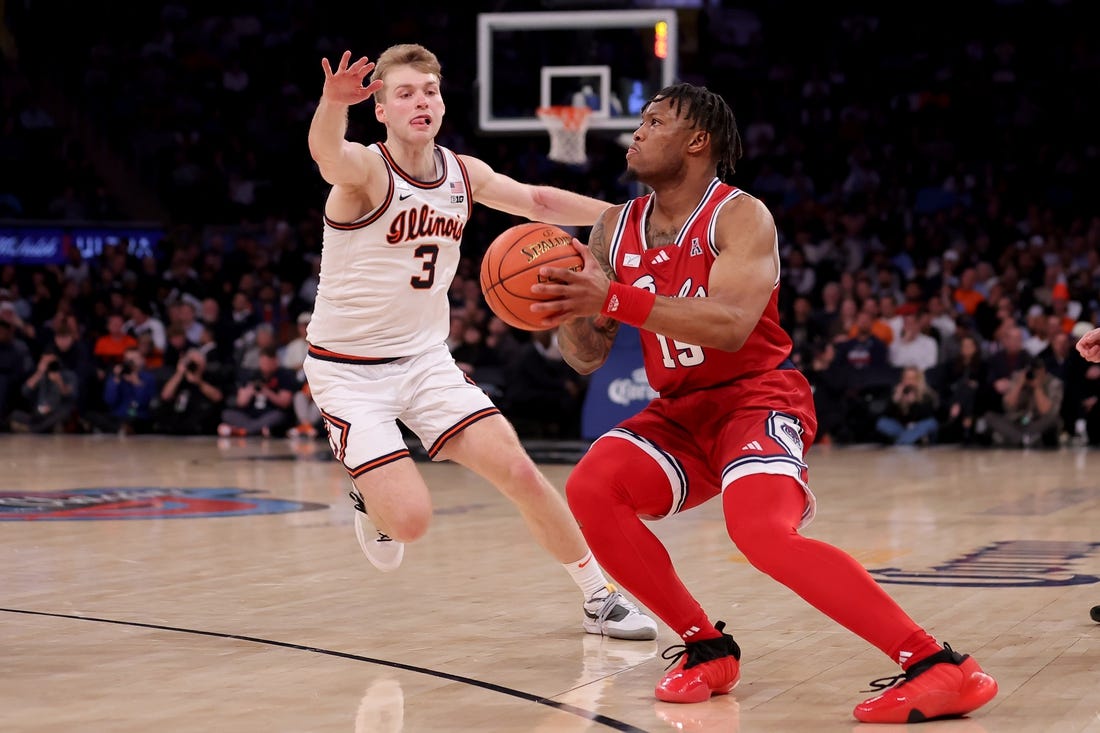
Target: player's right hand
<point x="345" y="85"/>
<point x="1089" y="345"/>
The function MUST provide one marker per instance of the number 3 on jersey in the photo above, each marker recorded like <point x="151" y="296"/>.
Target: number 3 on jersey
<point x="429" y="252"/>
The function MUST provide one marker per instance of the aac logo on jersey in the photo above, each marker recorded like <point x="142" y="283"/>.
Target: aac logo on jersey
<point x="142" y="502"/>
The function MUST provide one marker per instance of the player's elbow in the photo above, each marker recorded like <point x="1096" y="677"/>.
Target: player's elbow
<point x="329" y="169"/>
<point x="332" y="164"/>
<point x="585" y="367"/>
<point x="726" y="342"/>
<point x="728" y="336"/>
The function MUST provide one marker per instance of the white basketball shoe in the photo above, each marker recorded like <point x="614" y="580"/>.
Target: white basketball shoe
<point x="609" y="613"/>
<point x="383" y="552"/>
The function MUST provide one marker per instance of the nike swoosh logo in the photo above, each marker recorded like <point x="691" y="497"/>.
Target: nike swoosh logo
<point x="581" y="565"/>
<point x="403" y="196"/>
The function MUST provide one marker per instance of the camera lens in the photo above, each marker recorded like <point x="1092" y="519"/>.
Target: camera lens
<point x="53" y="367"/>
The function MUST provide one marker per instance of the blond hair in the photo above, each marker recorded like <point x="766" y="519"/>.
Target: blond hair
<point x="406" y="54"/>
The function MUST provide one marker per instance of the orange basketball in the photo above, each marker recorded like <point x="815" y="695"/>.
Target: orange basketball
<point x="511" y="266"/>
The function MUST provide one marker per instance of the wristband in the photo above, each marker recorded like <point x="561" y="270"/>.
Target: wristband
<point x="628" y="304"/>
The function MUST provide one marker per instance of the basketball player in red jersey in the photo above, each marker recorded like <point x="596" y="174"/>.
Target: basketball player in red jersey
<point x="695" y="266"/>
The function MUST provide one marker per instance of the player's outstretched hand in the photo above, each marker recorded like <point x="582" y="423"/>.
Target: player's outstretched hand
<point x="345" y="85"/>
<point x="1089" y="345"/>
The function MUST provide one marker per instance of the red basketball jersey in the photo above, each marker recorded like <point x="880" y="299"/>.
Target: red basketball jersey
<point x="682" y="270"/>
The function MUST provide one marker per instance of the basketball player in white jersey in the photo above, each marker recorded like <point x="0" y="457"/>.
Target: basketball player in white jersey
<point x="377" y="353"/>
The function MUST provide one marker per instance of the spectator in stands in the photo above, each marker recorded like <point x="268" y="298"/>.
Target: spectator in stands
<point x="154" y="357"/>
<point x="263" y="402"/>
<point x="828" y="378"/>
<point x="964" y="383"/>
<point x="307" y="414"/>
<point x="142" y="320"/>
<point x="294" y="353"/>
<point x="879" y="327"/>
<point x="128" y="395"/>
<point x="912" y="347"/>
<point x="804" y="330"/>
<point x="73" y="355"/>
<point x="260" y="339"/>
<point x="111" y="346"/>
<point x="50" y="393"/>
<point x="21" y="327"/>
<point x="1007" y="361"/>
<point x="941" y="315"/>
<point x="1032" y="409"/>
<point x="191" y="399"/>
<point x="910" y="417"/>
<point x="967" y="298"/>
<point x="15" y="363"/>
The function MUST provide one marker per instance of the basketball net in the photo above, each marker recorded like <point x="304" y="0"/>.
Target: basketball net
<point x="567" y="127"/>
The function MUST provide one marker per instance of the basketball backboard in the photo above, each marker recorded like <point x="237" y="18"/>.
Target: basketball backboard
<point x="609" y="60"/>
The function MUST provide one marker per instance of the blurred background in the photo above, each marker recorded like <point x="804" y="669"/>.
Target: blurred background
<point x="930" y="175"/>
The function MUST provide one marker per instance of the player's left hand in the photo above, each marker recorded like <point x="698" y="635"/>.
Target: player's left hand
<point x="570" y="294"/>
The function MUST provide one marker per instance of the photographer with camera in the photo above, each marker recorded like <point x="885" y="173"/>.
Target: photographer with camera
<point x="190" y="401"/>
<point x="50" y="391"/>
<point x="1032" y="409"/>
<point x="263" y="402"/>
<point x="128" y="395"/>
<point x="910" y="418"/>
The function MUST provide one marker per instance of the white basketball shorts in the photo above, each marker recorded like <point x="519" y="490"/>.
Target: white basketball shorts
<point x="362" y="400"/>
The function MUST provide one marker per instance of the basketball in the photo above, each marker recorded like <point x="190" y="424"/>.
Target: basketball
<point x="511" y="266"/>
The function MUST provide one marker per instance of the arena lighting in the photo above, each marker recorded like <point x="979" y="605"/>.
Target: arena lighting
<point x="660" y="39"/>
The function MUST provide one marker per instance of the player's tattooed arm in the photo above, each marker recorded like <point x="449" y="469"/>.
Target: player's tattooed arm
<point x="586" y="342"/>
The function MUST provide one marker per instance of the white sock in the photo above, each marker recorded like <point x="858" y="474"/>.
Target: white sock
<point x="587" y="574"/>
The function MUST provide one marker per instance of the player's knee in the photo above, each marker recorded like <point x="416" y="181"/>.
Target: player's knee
<point x="408" y="526"/>
<point x="589" y="494"/>
<point x="521" y="479"/>
<point x="758" y="541"/>
<point x="758" y="533"/>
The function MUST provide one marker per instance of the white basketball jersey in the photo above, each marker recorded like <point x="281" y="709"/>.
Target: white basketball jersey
<point x="384" y="277"/>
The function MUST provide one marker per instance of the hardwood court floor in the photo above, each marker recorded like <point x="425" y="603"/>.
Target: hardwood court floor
<point x="255" y="621"/>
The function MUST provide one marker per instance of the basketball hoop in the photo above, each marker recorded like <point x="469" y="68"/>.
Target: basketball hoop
<point x="567" y="126"/>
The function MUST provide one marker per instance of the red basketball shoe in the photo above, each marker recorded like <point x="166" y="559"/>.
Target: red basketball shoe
<point x="945" y="685"/>
<point x="708" y="667"/>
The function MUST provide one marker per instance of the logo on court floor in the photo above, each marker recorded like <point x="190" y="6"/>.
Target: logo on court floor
<point x="141" y="502"/>
<point x="1011" y="564"/>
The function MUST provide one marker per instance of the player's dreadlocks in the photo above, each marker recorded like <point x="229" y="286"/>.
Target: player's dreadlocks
<point x="709" y="111"/>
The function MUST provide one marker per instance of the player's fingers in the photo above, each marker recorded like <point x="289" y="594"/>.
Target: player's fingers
<point x="551" y="320"/>
<point x="344" y="61"/>
<point x="327" y="67"/>
<point x="545" y="307"/>
<point x="558" y="274"/>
